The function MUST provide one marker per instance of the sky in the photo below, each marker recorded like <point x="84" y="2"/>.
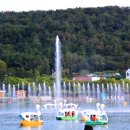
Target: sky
<point x="27" y="5"/>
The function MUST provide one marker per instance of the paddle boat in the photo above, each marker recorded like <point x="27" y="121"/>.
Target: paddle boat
<point x="31" y="118"/>
<point x="53" y="106"/>
<point x="68" y="112"/>
<point x="49" y="106"/>
<point x="95" y="117"/>
<point x="70" y="106"/>
<point x="59" y="105"/>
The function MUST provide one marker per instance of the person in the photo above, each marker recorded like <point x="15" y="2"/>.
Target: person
<point x="88" y="127"/>
<point x="91" y="117"/>
<point x="94" y="118"/>
<point x="66" y="113"/>
<point x="69" y="113"/>
<point x="73" y="114"/>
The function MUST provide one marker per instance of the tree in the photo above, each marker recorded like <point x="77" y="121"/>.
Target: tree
<point x="96" y="63"/>
<point x="3" y="69"/>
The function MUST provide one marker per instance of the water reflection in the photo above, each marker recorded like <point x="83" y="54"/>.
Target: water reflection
<point x="31" y="128"/>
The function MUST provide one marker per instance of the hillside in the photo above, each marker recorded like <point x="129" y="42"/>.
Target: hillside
<point x="93" y="39"/>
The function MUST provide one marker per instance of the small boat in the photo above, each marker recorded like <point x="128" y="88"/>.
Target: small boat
<point x="31" y="118"/>
<point x="67" y="114"/>
<point x="52" y="106"/>
<point x="95" y="117"/>
<point x="55" y="105"/>
<point x="70" y="105"/>
<point x="49" y="106"/>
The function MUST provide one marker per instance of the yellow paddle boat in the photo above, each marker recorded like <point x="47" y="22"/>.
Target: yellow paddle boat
<point x="31" y="118"/>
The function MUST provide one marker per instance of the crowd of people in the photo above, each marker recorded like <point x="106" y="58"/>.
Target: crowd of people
<point x="70" y="113"/>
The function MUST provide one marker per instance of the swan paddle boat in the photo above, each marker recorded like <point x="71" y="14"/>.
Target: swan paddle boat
<point x="56" y="106"/>
<point x="49" y="106"/>
<point x="68" y="112"/>
<point x="95" y="117"/>
<point x="53" y="106"/>
<point x="31" y="118"/>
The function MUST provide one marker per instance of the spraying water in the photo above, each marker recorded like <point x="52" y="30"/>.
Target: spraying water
<point x="58" y="68"/>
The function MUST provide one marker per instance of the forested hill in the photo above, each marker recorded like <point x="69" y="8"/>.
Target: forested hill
<point x="93" y="39"/>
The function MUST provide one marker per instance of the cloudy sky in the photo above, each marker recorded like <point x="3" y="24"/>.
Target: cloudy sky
<point x="26" y="5"/>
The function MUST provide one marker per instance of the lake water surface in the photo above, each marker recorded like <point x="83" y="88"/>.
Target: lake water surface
<point x="119" y="117"/>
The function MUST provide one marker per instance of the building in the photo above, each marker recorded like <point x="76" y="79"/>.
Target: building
<point x="21" y="94"/>
<point x="128" y="74"/>
<point x="2" y="93"/>
<point x="87" y="78"/>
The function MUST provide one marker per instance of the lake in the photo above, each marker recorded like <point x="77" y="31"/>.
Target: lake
<point x="119" y="117"/>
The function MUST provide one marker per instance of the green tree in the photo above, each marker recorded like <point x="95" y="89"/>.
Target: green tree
<point x="3" y="69"/>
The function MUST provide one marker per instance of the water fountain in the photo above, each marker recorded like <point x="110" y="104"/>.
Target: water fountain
<point x="101" y="92"/>
<point x="64" y="89"/>
<point x="9" y="90"/>
<point x="39" y="90"/>
<point x="3" y="87"/>
<point x="29" y="90"/>
<point x="69" y="89"/>
<point x="34" y="89"/>
<point x="49" y="91"/>
<point x="45" y="89"/>
<point x="14" y="92"/>
<point x="58" y="69"/>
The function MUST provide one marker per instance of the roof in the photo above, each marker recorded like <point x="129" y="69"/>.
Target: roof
<point x="83" y="78"/>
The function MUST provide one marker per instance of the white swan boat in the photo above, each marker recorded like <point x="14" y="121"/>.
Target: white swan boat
<point x="31" y="118"/>
<point x="95" y="117"/>
<point x="68" y="112"/>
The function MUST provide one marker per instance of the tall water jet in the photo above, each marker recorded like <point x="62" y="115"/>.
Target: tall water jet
<point x="14" y="92"/>
<point x="22" y="85"/>
<point x="9" y="90"/>
<point x="34" y="89"/>
<point x="64" y="86"/>
<point x="44" y="89"/>
<point x="69" y="89"/>
<point x="29" y="90"/>
<point x="93" y="90"/>
<point x="98" y="92"/>
<point x="3" y="87"/>
<point x="54" y="89"/>
<point x="74" y="89"/>
<point x="39" y="90"/>
<point x="58" y="68"/>
<point x="88" y="89"/>
<point x="18" y="86"/>
<point x="49" y="91"/>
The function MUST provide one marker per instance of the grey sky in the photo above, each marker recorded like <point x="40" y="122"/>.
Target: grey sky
<point x="26" y="5"/>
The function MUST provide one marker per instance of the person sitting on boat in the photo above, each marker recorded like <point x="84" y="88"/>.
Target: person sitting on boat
<point x="69" y="113"/>
<point x="35" y="117"/>
<point x="88" y="127"/>
<point x="73" y="114"/>
<point x="27" y="116"/>
<point x="66" y="113"/>
<point x="93" y="117"/>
